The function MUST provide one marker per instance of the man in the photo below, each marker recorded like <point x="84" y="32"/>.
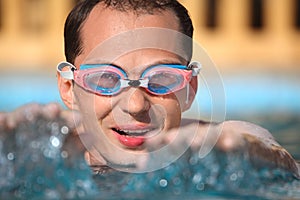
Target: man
<point x="130" y="76"/>
<point x="133" y="110"/>
<point x="108" y="32"/>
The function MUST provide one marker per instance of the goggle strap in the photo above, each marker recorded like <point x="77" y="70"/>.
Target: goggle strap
<point x="195" y="67"/>
<point x="66" y="74"/>
<point x="187" y="93"/>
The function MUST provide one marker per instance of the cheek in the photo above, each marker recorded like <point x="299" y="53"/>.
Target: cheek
<point x="172" y="111"/>
<point x="102" y="106"/>
<point x="92" y="105"/>
<point x="173" y="108"/>
<point x="175" y="102"/>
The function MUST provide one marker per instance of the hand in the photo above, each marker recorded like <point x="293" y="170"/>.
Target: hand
<point x="30" y="112"/>
<point x="52" y="112"/>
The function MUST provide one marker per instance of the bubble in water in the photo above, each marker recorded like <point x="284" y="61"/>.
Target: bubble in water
<point x="10" y="156"/>
<point x="40" y="180"/>
<point x="64" y="154"/>
<point x="197" y="178"/>
<point x="64" y="130"/>
<point x="200" y="186"/>
<point x="55" y="141"/>
<point x="54" y="128"/>
<point x="176" y="181"/>
<point x="163" y="182"/>
<point x="35" y="144"/>
<point x="233" y="177"/>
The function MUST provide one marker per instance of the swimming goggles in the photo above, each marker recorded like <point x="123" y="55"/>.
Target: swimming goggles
<point x="108" y="79"/>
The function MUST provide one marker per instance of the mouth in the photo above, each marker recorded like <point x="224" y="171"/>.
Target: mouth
<point x="133" y="137"/>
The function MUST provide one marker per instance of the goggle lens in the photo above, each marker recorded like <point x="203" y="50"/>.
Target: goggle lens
<point x="103" y="82"/>
<point x="164" y="82"/>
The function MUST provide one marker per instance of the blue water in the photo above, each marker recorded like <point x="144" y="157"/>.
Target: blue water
<point x="40" y="161"/>
<point x="37" y="162"/>
<point x="18" y="88"/>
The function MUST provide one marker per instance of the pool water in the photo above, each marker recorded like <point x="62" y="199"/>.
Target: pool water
<point x="36" y="161"/>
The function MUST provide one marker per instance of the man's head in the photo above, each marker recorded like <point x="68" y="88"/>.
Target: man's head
<point x="97" y="30"/>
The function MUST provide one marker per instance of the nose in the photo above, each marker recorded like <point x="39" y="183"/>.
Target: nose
<point x="134" y="102"/>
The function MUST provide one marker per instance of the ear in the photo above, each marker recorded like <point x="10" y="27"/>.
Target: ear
<point x="65" y="87"/>
<point x="193" y="86"/>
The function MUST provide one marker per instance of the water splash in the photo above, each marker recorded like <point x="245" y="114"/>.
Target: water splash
<point x="219" y="174"/>
<point x="34" y="164"/>
<point x="39" y="160"/>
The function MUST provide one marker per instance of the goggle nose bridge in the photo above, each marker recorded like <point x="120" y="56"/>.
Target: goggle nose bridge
<point x="134" y="83"/>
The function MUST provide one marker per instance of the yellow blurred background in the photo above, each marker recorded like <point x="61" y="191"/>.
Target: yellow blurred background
<point x="251" y="33"/>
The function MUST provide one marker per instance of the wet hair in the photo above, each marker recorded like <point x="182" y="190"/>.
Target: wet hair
<point x="78" y="15"/>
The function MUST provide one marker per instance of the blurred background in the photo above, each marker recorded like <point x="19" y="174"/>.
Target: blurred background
<point x="255" y="45"/>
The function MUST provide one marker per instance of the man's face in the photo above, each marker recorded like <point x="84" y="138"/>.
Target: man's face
<point x="133" y="111"/>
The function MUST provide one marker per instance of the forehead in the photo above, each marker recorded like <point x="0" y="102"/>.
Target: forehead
<point x="104" y="23"/>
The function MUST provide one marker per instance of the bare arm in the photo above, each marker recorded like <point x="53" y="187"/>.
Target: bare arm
<point x="231" y="136"/>
<point x="261" y="146"/>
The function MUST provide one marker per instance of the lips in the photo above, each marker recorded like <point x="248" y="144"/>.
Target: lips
<point x="132" y="136"/>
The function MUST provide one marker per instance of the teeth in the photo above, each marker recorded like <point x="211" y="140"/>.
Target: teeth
<point x="133" y="132"/>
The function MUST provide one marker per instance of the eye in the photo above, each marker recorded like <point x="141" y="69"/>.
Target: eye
<point x="164" y="81"/>
<point x="103" y="80"/>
